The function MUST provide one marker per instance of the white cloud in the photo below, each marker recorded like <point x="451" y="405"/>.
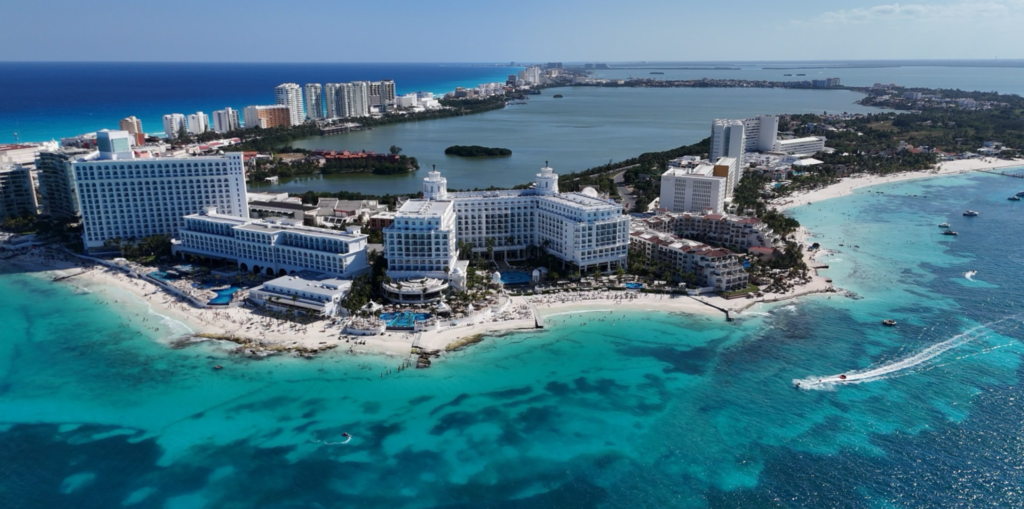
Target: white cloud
<point x="964" y="10"/>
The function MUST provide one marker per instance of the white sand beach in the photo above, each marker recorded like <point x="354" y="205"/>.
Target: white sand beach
<point x="848" y="185"/>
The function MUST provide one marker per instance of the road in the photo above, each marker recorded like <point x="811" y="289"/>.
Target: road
<point x="624" y="191"/>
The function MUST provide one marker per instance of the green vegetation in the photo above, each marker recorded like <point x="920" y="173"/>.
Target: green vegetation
<point x="378" y="165"/>
<point x="144" y="250"/>
<point x="476" y="151"/>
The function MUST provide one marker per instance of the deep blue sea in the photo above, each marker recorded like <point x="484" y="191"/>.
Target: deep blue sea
<point x="47" y="100"/>
<point x="638" y="410"/>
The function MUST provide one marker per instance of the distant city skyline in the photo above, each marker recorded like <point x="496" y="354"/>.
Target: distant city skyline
<point x="652" y="30"/>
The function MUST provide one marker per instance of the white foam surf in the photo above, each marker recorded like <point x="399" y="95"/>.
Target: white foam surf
<point x="897" y="367"/>
<point x="322" y="442"/>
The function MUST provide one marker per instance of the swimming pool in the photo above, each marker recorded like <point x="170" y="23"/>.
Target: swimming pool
<point x="223" y="296"/>
<point x="163" y="276"/>
<point x="515" y="277"/>
<point x="403" y="320"/>
<point x="634" y="286"/>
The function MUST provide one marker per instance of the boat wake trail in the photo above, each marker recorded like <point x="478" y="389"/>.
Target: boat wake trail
<point x="969" y="275"/>
<point x="895" y="368"/>
<point x="321" y="442"/>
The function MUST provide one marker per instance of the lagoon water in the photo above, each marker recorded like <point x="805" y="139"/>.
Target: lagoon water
<point x="605" y="409"/>
<point x="587" y="127"/>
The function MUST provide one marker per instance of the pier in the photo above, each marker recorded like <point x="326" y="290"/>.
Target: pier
<point x="728" y="316"/>
<point x="69" y="276"/>
<point x="1004" y="173"/>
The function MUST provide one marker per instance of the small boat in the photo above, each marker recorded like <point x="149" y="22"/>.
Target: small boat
<point x="842" y="377"/>
<point x="218" y="367"/>
<point x="1014" y="198"/>
<point x="655" y="72"/>
<point x="889" y="323"/>
<point x="557" y="96"/>
<point x="1021" y="194"/>
<point x="346" y="435"/>
<point x="787" y="74"/>
<point x="944" y="225"/>
<point x="970" y="213"/>
<point x="950" y="232"/>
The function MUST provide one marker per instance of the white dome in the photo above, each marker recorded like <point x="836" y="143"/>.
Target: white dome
<point x="589" y="191"/>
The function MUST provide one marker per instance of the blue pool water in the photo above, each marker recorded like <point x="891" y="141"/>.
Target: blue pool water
<point x="634" y="286"/>
<point x="223" y="296"/>
<point x="162" y="276"/>
<point x="403" y="320"/>
<point x="515" y="277"/>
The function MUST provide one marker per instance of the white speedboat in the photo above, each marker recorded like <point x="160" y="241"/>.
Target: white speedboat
<point x="944" y="225"/>
<point x="970" y="213"/>
<point x="1014" y="198"/>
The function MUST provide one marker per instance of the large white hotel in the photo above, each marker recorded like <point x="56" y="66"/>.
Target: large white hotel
<point x="125" y="197"/>
<point x="272" y="247"/>
<point x="578" y="228"/>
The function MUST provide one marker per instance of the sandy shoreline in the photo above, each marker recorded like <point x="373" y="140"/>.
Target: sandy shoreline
<point x="849" y="184"/>
<point x="243" y="323"/>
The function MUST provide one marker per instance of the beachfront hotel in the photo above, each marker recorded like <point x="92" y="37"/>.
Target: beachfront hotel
<point x="715" y="269"/>
<point x="278" y="247"/>
<point x="578" y="228"/>
<point x="696" y="185"/>
<point x="800" y="147"/>
<point x="125" y="197"/>
<point x="736" y="232"/>
<point x="728" y="139"/>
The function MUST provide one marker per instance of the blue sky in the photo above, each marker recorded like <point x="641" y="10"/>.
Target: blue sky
<point x="524" y="30"/>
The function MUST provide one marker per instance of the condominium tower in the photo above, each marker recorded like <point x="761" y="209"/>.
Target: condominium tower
<point x="290" y="95"/>
<point x="198" y="123"/>
<point x="17" y="193"/>
<point x="225" y="120"/>
<point x="134" y="128"/>
<point x="174" y="124"/>
<point x="314" y="101"/>
<point x="266" y="116"/>
<point x="57" y="181"/>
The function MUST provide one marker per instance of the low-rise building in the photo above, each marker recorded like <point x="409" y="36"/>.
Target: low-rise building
<point x="309" y="292"/>
<point x="736" y="232"/>
<point x="713" y="268"/>
<point x="24" y="154"/>
<point x="267" y="116"/>
<point x="272" y="247"/>
<point x="800" y="146"/>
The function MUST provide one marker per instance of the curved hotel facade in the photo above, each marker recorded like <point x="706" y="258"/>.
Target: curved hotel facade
<point x="577" y="228"/>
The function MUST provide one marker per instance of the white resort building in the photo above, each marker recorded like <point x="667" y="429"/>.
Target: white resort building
<point x="578" y="228"/>
<point x="272" y="247"/>
<point x="309" y="292"/>
<point x="803" y="147"/>
<point x="124" y="197"/>
<point x="696" y="185"/>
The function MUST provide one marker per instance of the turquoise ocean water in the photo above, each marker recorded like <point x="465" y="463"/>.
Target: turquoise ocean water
<point x="631" y="409"/>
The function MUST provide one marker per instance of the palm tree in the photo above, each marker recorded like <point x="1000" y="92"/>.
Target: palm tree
<point x="490" y="247"/>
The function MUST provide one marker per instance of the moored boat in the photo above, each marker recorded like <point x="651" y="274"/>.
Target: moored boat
<point x="1014" y="198"/>
<point x="944" y="225"/>
<point x="890" y="322"/>
<point x="970" y="213"/>
<point x="949" y="232"/>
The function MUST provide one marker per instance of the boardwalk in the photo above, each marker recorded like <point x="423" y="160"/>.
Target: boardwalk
<point x="1003" y="173"/>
